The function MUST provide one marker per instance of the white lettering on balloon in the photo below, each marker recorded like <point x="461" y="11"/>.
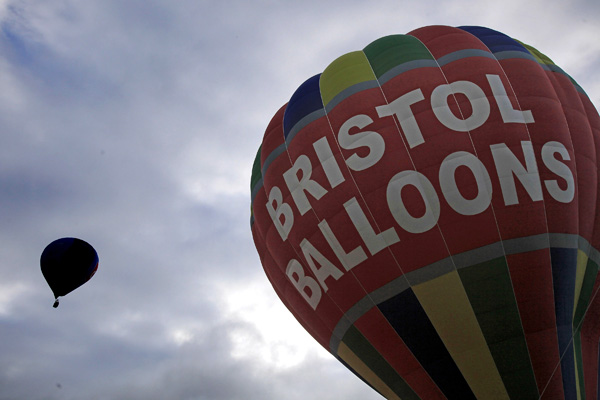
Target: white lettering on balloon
<point x="353" y="135"/>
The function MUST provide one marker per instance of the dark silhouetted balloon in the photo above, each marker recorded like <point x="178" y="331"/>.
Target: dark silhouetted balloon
<point x="68" y="263"/>
<point x="427" y="208"/>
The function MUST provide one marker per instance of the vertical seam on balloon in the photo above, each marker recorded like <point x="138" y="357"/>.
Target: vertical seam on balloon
<point x="450" y="256"/>
<point x="547" y="234"/>
<point x="554" y="82"/>
<point x="404" y="275"/>
<point x="491" y="206"/>
<point x="571" y="341"/>
<point x="559" y="364"/>
<point x="399" y="131"/>
<point x="297" y="251"/>
<point x="570" y="344"/>
<point x="494" y="211"/>
<point x="368" y="295"/>
<point x="580" y="323"/>
<point x="374" y="304"/>
<point x="595" y="230"/>
<point x="576" y="329"/>
<point x="350" y="173"/>
<point x="298" y="257"/>
<point x="426" y="200"/>
<point x="266" y="249"/>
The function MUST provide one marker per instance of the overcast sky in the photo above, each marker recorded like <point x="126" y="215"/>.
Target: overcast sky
<point x="133" y="124"/>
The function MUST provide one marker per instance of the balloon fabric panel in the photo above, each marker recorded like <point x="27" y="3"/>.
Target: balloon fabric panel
<point x="512" y="136"/>
<point x="569" y="262"/>
<point x="426" y="209"/>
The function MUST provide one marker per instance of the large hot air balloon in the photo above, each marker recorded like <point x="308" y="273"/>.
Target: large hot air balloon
<point x="66" y="264"/>
<point x="426" y="208"/>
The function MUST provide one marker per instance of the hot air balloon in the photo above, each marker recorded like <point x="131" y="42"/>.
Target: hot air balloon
<point x="66" y="264"/>
<point x="426" y="209"/>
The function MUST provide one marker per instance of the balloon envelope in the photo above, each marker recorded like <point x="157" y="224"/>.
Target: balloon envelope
<point x="426" y="208"/>
<point x="68" y="263"/>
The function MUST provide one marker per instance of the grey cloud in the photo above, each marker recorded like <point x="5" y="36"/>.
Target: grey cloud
<point x="134" y="126"/>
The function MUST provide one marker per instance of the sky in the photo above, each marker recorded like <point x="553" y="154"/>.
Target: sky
<point x="133" y="124"/>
